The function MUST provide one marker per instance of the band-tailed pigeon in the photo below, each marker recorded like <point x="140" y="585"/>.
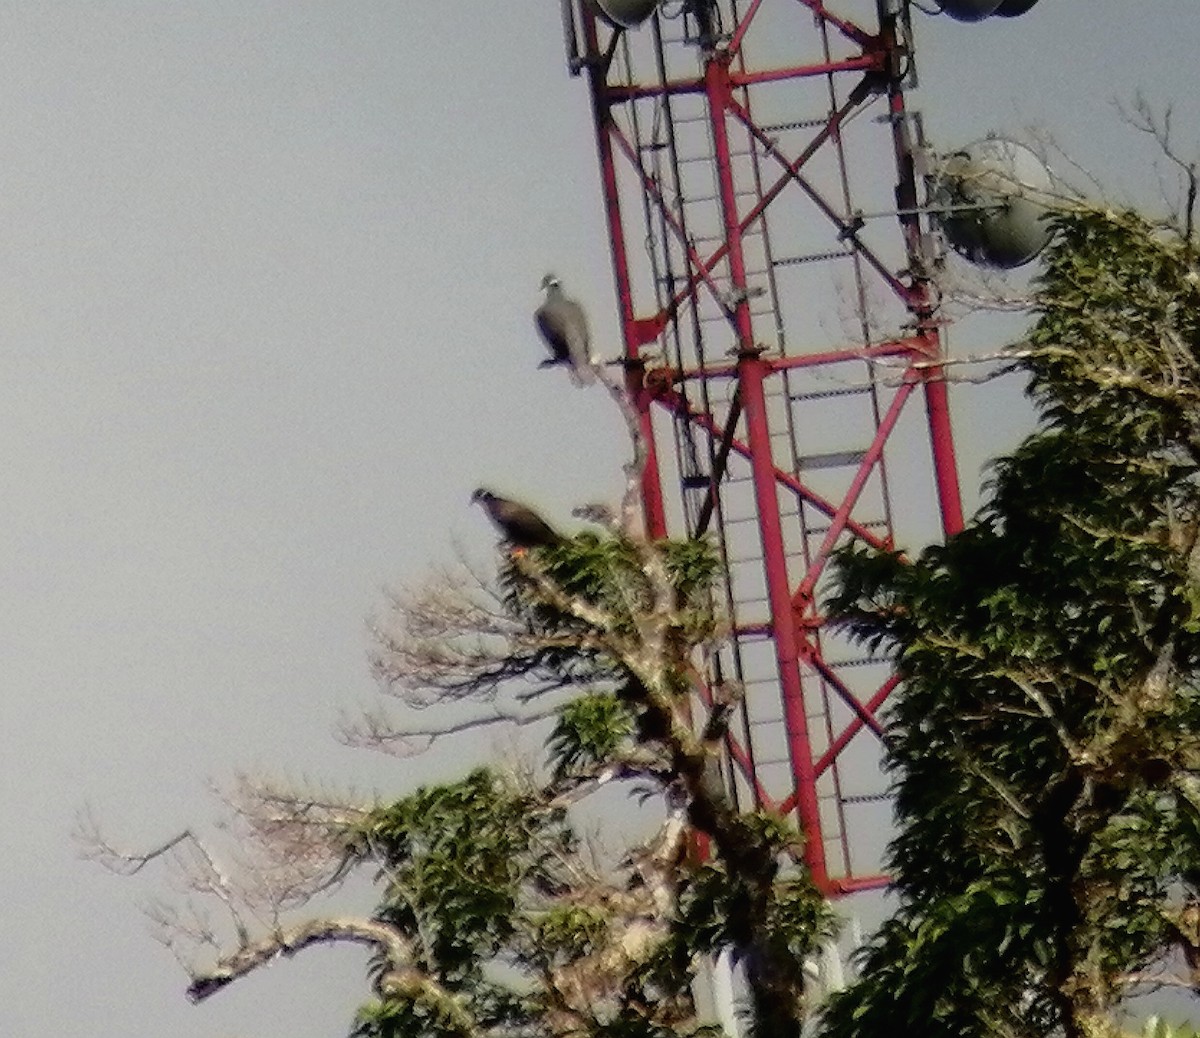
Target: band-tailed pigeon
<point x="563" y="326"/>
<point x="520" y="525"/>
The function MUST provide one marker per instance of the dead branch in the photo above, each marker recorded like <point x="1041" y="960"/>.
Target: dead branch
<point x="1143" y="118"/>
<point x="639" y="911"/>
<point x="633" y="765"/>
<point x="296" y="839"/>
<point x="449" y="639"/>
<point x="376" y="730"/>
<point x="191" y="861"/>
<point x="631" y="499"/>
<point x="95" y="847"/>
<point x="1053" y="154"/>
<point x="394" y="946"/>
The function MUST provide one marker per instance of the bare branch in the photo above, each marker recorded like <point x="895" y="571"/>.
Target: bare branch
<point x="456" y="641"/>
<point x="377" y="731"/>
<point x="451" y="639"/>
<point x="594" y="617"/>
<point x="1145" y="119"/>
<point x="400" y="977"/>
<point x="636" y="764"/>
<point x="1048" y="149"/>
<point x="631" y="500"/>
<point x="188" y="855"/>
<point x="96" y="847"/>
<point x="296" y="840"/>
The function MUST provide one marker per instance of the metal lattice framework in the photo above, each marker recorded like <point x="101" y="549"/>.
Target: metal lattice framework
<point x="777" y="322"/>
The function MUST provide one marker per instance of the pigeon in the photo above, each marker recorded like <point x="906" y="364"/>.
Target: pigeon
<point x="520" y="525"/>
<point x="563" y="327"/>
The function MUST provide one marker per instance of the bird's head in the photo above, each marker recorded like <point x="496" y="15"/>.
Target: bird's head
<point x="550" y="281"/>
<point x="480" y="494"/>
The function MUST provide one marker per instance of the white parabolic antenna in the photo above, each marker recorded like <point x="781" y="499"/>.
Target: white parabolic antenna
<point x="995" y="195"/>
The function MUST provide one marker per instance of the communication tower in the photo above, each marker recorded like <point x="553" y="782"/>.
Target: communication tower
<point x="766" y="192"/>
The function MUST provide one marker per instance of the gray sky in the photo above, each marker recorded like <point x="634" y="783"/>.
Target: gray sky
<point x="268" y="271"/>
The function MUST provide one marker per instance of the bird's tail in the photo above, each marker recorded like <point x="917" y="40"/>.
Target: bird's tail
<point x="583" y="374"/>
<point x="580" y="374"/>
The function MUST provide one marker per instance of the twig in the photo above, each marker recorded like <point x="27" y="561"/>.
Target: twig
<point x="1144" y="119"/>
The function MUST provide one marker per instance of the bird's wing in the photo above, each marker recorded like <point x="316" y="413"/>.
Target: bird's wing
<point x="522" y="525"/>
<point x="578" y="340"/>
<point x="552" y="330"/>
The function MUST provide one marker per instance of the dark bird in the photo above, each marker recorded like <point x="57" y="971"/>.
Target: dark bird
<point x="563" y="327"/>
<point x="520" y="525"/>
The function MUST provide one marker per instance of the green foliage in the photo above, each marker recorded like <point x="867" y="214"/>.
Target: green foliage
<point x="1044" y="746"/>
<point x="459" y="861"/>
<point x="928" y="973"/>
<point x="771" y="919"/>
<point x="479" y="874"/>
<point x="609" y="573"/>
<point x="571" y="931"/>
<point x="510" y="929"/>
<point x="771" y="929"/>
<point x="1049" y="655"/>
<point x="713" y="904"/>
<point x="416" y="1014"/>
<point x="589" y="732"/>
<point x="640" y="1026"/>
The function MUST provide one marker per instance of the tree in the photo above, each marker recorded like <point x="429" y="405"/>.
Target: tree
<point x="494" y="916"/>
<point x="1045" y="743"/>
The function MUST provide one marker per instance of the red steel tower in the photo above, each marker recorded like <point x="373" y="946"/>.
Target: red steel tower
<point x="764" y="191"/>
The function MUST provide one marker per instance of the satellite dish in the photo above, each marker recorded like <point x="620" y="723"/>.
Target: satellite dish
<point x="970" y="10"/>
<point x="1013" y="8"/>
<point x="997" y="192"/>
<point x="625" y="14"/>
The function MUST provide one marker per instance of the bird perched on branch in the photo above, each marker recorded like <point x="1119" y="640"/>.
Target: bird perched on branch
<point x="519" y="524"/>
<point x="563" y="327"/>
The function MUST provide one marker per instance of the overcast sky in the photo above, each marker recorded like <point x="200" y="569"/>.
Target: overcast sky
<point x="267" y="276"/>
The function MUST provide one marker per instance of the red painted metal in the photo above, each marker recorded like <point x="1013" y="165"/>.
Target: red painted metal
<point x="937" y="407"/>
<point x="792" y="171"/>
<point x="899" y="348"/>
<point x="857" y="884"/>
<point x="793" y="168"/>
<point x="717" y="88"/>
<point x="763" y="438"/>
<point x="785" y="479"/>
<point x="651" y="188"/>
<point x="847" y="28"/>
<point x="783" y="629"/>
<point x="851" y="730"/>
<point x="834" y="681"/>
<point x="735" y="44"/>
<point x="738" y="752"/>
<point x="652" y="499"/>
<point x="803" y="598"/>
<point x="774" y="75"/>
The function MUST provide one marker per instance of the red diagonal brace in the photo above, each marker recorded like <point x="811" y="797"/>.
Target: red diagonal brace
<point x="855" y="726"/>
<point x="802" y="599"/>
<point x="673" y="400"/>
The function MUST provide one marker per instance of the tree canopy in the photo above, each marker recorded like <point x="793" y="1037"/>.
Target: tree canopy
<point x="1044" y="747"/>
<point x="497" y="914"/>
<point x="1045" y="742"/>
<point x="511" y="928"/>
